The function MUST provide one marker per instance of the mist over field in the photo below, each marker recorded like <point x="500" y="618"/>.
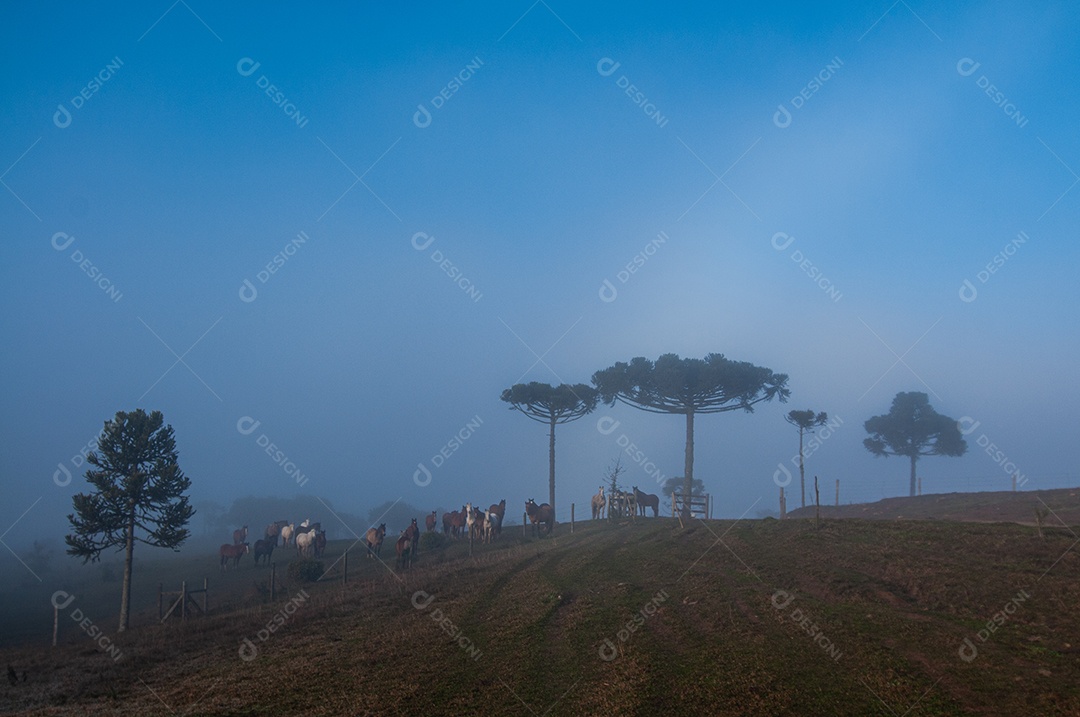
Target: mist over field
<point x="348" y="252"/>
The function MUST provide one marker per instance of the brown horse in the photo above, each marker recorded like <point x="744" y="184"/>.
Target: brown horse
<point x="540" y="515"/>
<point x="232" y="552"/>
<point x="374" y="540"/>
<point x="404" y="551"/>
<point x="498" y="509"/>
<point x="413" y="533"/>
<point x="458" y="522"/>
<point x="274" y="529"/>
<point x="320" y="543"/>
<point x="239" y="536"/>
<point x="646" y="500"/>
<point x="448" y="521"/>
<point x="429" y="522"/>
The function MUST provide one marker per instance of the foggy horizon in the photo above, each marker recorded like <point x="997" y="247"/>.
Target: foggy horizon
<point x="345" y="233"/>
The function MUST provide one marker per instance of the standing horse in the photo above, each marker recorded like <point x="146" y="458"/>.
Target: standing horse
<point x="644" y="500"/>
<point x="429" y="522"/>
<point x="239" y="536"/>
<point x="598" y="503"/>
<point x="274" y="529"/>
<point x="287" y="533"/>
<point x="264" y="548"/>
<point x="404" y="550"/>
<point x="491" y="526"/>
<point x="305" y="544"/>
<point x="448" y="522"/>
<point x="459" y="518"/>
<point x="540" y="514"/>
<point x="413" y="534"/>
<point x="232" y="552"/>
<point x="499" y="510"/>
<point x="374" y="539"/>
<point x="320" y="543"/>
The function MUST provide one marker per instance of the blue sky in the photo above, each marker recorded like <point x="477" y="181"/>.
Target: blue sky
<point x="899" y="177"/>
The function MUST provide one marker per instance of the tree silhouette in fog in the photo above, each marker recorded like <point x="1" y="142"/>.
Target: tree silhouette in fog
<point x="688" y="387"/>
<point x="138" y="496"/>
<point x="551" y="405"/>
<point x="913" y="428"/>
<point x="806" y="422"/>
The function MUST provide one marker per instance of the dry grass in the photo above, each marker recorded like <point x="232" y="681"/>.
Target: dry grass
<point x="895" y="599"/>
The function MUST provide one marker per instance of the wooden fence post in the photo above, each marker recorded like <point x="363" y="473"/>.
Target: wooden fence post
<point x="920" y="485"/>
<point x="783" y="504"/>
<point x="273" y="581"/>
<point x="571" y="517"/>
<point x="345" y="568"/>
<point x="55" y="623"/>
<point x="817" y="505"/>
<point x="183" y="601"/>
<point x="205" y="593"/>
<point x="160" y="614"/>
<point x="837" y="491"/>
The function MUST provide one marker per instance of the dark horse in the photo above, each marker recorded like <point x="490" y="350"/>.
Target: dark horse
<point x="498" y="509"/>
<point x="540" y="514"/>
<point x="429" y="522"/>
<point x="649" y="500"/>
<point x="264" y="548"/>
<point x="274" y="529"/>
<point x="404" y="551"/>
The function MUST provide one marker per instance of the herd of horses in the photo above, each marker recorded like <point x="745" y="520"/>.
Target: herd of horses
<point x="309" y="539"/>
<point x="620" y="500"/>
<point x="472" y="522"/>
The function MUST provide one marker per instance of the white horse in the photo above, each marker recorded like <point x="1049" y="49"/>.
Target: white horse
<point x="598" y="503"/>
<point x="470" y="519"/>
<point x="491" y="525"/>
<point x="287" y="533"/>
<point x="305" y="542"/>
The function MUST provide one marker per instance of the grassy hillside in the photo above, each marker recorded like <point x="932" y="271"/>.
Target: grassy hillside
<point x="742" y="618"/>
<point x="992" y="507"/>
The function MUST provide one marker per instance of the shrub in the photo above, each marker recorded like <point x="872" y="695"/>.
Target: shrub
<point x="430" y="541"/>
<point x="305" y="571"/>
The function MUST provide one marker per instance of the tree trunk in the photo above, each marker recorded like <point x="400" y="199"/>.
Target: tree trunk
<point x="913" y="459"/>
<point x="689" y="466"/>
<point x="551" y="469"/>
<point x="802" y="472"/>
<point x="125" y="594"/>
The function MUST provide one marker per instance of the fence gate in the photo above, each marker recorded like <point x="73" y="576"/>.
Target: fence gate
<point x="700" y="506"/>
<point x="184" y="597"/>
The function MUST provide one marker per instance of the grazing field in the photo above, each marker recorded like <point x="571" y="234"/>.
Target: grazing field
<point x="992" y="507"/>
<point x="761" y="617"/>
